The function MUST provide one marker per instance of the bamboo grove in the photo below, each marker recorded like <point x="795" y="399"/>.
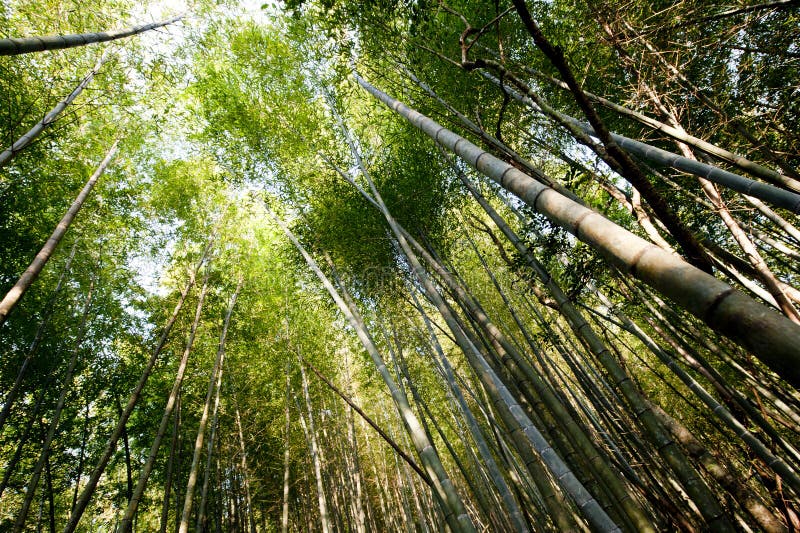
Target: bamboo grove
<point x="399" y="266"/>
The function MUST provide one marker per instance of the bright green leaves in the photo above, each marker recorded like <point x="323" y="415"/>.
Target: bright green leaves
<point x="256" y="102"/>
<point x="187" y="190"/>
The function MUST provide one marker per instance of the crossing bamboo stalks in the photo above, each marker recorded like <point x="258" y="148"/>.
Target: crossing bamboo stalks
<point x="718" y="152"/>
<point x="452" y="505"/>
<point x="403" y="455"/>
<point x="214" y="383"/>
<point x="566" y="478"/>
<point x="310" y="430"/>
<point x="655" y="432"/>
<point x="774" y="339"/>
<point x="776" y="196"/>
<point x="27" y="138"/>
<point x="22" y="440"/>
<point x="173" y="399"/>
<point x="541" y="394"/>
<point x="119" y="428"/>
<point x="11" y="395"/>
<point x="740" y="491"/>
<point x="474" y="428"/>
<point x="30" y="489"/>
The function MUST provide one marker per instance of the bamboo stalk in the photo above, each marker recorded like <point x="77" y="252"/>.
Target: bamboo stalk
<point x="26" y="45"/>
<point x="774" y="339"/>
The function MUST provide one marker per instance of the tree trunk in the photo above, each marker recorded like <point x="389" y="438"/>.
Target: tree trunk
<point x="35" y="268"/>
<point x="311" y="436"/>
<point x="772" y="338"/>
<point x="176" y="428"/>
<point x="51" y="504"/>
<point x="355" y="470"/>
<point x="216" y="376"/>
<point x="21" y="143"/>
<point x="111" y="444"/>
<point x="127" y="449"/>
<point x="202" y="519"/>
<point x="285" y="513"/>
<point x="81" y="456"/>
<point x="27" y="45"/>
<point x="250" y="517"/>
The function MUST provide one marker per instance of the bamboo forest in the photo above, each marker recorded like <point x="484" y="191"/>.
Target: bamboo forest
<point x="412" y="265"/>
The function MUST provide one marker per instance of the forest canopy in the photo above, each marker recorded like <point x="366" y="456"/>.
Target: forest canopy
<point x="382" y="266"/>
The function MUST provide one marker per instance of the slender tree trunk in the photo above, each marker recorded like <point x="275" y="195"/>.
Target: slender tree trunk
<point x="26" y="45"/>
<point x="81" y="455"/>
<point x="176" y="428"/>
<point x="779" y="221"/>
<point x="119" y="429"/>
<point x="35" y="268"/>
<point x="311" y="435"/>
<point x="216" y="376"/>
<point x="202" y="519"/>
<point x="41" y="511"/>
<point x="250" y="517"/>
<point x="287" y="429"/>
<point x="127" y="449"/>
<point x="219" y="499"/>
<point x="21" y="143"/>
<point x="66" y="386"/>
<point x="51" y="503"/>
<point x="178" y="475"/>
<point x="356" y="475"/>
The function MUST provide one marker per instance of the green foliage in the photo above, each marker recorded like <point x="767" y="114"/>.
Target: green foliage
<point x="232" y="110"/>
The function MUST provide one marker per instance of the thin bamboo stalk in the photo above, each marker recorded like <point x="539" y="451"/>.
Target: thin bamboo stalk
<point x="27" y="278"/>
<point x="26" y="45"/>
<point x="26" y="139"/>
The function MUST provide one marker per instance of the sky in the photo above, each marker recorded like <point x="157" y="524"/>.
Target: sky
<point x="158" y="10"/>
